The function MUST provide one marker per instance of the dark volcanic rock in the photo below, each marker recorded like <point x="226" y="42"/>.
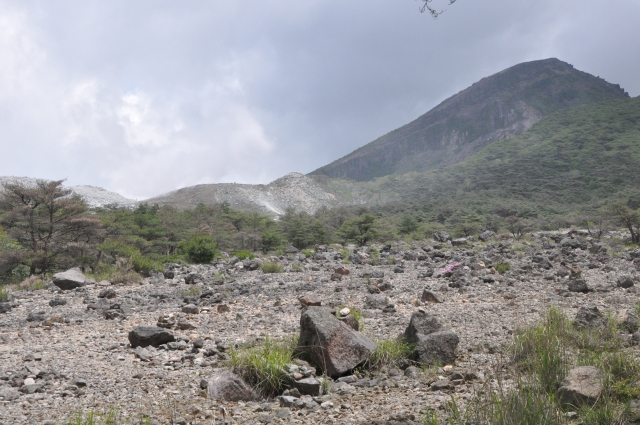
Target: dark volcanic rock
<point x="70" y="279"/>
<point x="143" y="336"/>
<point x="330" y="343"/>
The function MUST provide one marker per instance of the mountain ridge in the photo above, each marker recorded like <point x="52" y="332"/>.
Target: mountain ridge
<point x="496" y="107"/>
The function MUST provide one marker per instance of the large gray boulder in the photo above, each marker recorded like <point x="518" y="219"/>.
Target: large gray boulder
<point x="226" y="385"/>
<point x="589" y="317"/>
<point x="583" y="385"/>
<point x="144" y="336"/>
<point x="433" y="342"/>
<point x="330" y="344"/>
<point x="71" y="279"/>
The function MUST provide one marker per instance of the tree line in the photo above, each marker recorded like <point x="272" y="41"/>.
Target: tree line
<point x="45" y="227"/>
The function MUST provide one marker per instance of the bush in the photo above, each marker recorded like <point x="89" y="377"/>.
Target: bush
<point x="271" y="267"/>
<point x="271" y="241"/>
<point x="263" y="366"/>
<point x="243" y="255"/>
<point x="143" y="265"/>
<point x="200" y="249"/>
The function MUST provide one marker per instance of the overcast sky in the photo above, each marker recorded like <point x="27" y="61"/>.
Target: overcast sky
<point x="143" y="97"/>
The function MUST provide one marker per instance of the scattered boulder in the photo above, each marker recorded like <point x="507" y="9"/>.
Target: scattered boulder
<point x="193" y="278"/>
<point x="71" y="279"/>
<point x="577" y="285"/>
<point x="342" y="271"/>
<point x="627" y="320"/>
<point x="56" y="301"/>
<point x="143" y="336"/>
<point x="433" y="342"/>
<point x="376" y="301"/>
<point x="589" y="317"/>
<point x="226" y="385"/>
<point x="309" y="386"/>
<point x="573" y="243"/>
<point x="108" y="293"/>
<point x="350" y="321"/>
<point x="190" y="309"/>
<point x="583" y="385"/>
<point x="459" y="242"/>
<point x="36" y="316"/>
<point x="431" y="297"/>
<point x="291" y="250"/>
<point x="310" y="300"/>
<point x="441" y="236"/>
<point x="485" y="236"/>
<point x="5" y="307"/>
<point x="625" y="282"/>
<point x="330" y="343"/>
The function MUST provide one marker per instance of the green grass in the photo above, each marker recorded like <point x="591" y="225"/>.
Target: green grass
<point x="542" y="354"/>
<point x="263" y="365"/>
<point x="4" y="295"/>
<point x="193" y="291"/>
<point x="112" y="417"/>
<point x="271" y="267"/>
<point x="388" y="353"/>
<point x="502" y="267"/>
<point x="307" y="253"/>
<point x="243" y="255"/>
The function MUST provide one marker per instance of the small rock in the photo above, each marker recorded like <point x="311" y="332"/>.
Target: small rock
<point x="430" y="296"/>
<point x="190" y="309"/>
<point x="625" y="282"/>
<point x="310" y="300"/>
<point x="583" y="385"/>
<point x="225" y="385"/>
<point x="143" y="336"/>
<point x="108" y="293"/>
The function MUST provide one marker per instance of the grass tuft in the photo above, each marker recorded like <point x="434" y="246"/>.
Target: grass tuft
<point x="263" y="365"/>
<point x="271" y="267"/>
<point x="389" y="353"/>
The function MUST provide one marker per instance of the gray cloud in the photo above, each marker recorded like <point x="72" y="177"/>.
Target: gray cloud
<point x="144" y="97"/>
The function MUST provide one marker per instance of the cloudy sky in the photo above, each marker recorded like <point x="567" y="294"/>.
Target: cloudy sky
<point x="143" y="97"/>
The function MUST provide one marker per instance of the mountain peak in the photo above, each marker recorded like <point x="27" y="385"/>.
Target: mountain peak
<point x="497" y="107"/>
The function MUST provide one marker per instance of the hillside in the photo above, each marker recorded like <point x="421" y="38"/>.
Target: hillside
<point x="497" y="107"/>
<point x="574" y="160"/>
<point x="93" y="196"/>
<point x="293" y="190"/>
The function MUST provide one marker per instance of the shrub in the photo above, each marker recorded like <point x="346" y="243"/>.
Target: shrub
<point x="143" y="265"/>
<point x="200" y="249"/>
<point x="271" y="241"/>
<point x="243" y="255"/>
<point x="307" y="253"/>
<point x="263" y="366"/>
<point x="271" y="267"/>
<point x="502" y="267"/>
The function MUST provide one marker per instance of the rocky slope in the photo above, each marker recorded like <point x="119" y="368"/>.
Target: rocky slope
<point x="497" y="107"/>
<point x="93" y="196"/>
<point x="293" y="190"/>
<point x="64" y="352"/>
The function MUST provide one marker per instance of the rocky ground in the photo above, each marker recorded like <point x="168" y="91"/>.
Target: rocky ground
<point x="68" y="351"/>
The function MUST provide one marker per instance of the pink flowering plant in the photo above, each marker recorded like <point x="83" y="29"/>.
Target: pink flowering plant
<point x="451" y="267"/>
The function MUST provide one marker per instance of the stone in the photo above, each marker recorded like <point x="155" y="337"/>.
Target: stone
<point x="331" y="344"/>
<point x="577" y="285"/>
<point x="9" y="394"/>
<point x="398" y="269"/>
<point x="56" y="301"/>
<point x="624" y="282"/>
<point x="412" y="372"/>
<point x="351" y="321"/>
<point x="459" y="242"/>
<point x="485" y="236"/>
<point x="309" y="386"/>
<point x="107" y="293"/>
<point x="422" y="323"/>
<point x="223" y="308"/>
<point x="376" y="301"/>
<point x="310" y="300"/>
<point x="143" y="336"/>
<point x="143" y="354"/>
<point x="193" y="278"/>
<point x="5" y="307"/>
<point x="355" y="258"/>
<point x="627" y="320"/>
<point x="190" y="309"/>
<point x="573" y="243"/>
<point x="431" y="297"/>
<point x="438" y="347"/>
<point x="71" y="279"/>
<point x="441" y="236"/>
<point x="441" y="385"/>
<point x="589" y="317"/>
<point x="225" y="385"/>
<point x="342" y="271"/>
<point x="38" y="316"/>
<point x="290" y="250"/>
<point x="583" y="385"/>
<point x="288" y="401"/>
